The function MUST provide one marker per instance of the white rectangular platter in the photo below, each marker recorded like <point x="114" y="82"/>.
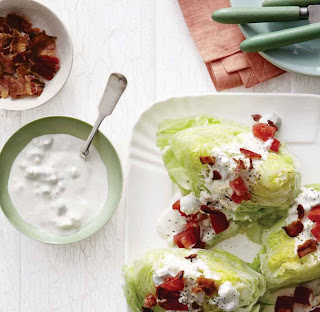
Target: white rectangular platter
<point x="149" y="189"/>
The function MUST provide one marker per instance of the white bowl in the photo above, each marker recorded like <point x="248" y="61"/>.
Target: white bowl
<point x="45" y="19"/>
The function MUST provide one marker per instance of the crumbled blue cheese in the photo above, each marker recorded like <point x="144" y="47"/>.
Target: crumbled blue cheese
<point x="189" y="204"/>
<point x="228" y="298"/>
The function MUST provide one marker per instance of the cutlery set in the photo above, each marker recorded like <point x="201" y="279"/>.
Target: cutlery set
<point x="275" y="11"/>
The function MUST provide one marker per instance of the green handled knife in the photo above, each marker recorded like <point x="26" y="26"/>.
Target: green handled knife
<point x="286" y="37"/>
<point x="300" y="3"/>
<point x="258" y="15"/>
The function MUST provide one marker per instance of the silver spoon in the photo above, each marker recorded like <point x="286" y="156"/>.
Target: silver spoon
<point x="116" y="85"/>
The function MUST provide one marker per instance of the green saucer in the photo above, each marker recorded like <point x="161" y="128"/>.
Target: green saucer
<point x="81" y="130"/>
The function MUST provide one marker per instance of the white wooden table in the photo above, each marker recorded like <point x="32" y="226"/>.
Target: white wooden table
<point x="148" y="41"/>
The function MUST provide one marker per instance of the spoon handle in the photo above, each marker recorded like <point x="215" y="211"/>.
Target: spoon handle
<point x="116" y="85"/>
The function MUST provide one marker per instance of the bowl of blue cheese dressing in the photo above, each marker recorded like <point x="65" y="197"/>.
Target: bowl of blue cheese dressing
<point x="47" y="191"/>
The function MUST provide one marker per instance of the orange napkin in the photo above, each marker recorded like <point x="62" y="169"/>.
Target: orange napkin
<point x="218" y="44"/>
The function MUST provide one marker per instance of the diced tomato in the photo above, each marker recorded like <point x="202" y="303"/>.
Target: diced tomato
<point x="263" y="131"/>
<point x="168" y="293"/>
<point x="239" y="199"/>
<point x="307" y="247"/>
<point x="185" y="239"/>
<point x="302" y="295"/>
<point x="284" y="304"/>
<point x="275" y="145"/>
<point x="294" y="228"/>
<point x="150" y="301"/>
<point x="239" y="186"/>
<point x="314" y="214"/>
<point x="219" y="221"/>
<point x="249" y="154"/>
<point x="174" y="283"/>
<point x="176" y="206"/>
<point x="316" y="232"/>
<point x="256" y="117"/>
<point x="300" y="211"/>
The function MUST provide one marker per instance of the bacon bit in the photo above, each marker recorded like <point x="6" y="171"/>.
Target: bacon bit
<point x="146" y="309"/>
<point x="256" y="117"/>
<point x="240" y="165"/>
<point x="316" y="232"/>
<point x="307" y="247"/>
<point x="197" y="217"/>
<point x="315" y="310"/>
<point x="249" y="154"/>
<point x="239" y="186"/>
<point x="302" y="295"/>
<point x="176" y="206"/>
<point x="272" y="124"/>
<point x="263" y="131"/>
<point x="276" y="144"/>
<point x="314" y="214"/>
<point x="219" y="221"/>
<point x="251" y="164"/>
<point x="195" y="306"/>
<point x="207" y="209"/>
<point x="284" y="304"/>
<point x="300" y="210"/>
<point x="239" y="199"/>
<point x="150" y="301"/>
<point x="208" y="160"/>
<point x="205" y="286"/>
<point x="216" y="175"/>
<point x="191" y="257"/>
<point x="294" y="229"/>
<point x="25" y="52"/>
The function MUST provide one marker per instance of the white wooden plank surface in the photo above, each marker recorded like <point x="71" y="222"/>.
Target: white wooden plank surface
<point x="148" y="41"/>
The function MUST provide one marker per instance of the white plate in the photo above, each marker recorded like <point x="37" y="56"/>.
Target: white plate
<point x="149" y="189"/>
<point x="45" y="19"/>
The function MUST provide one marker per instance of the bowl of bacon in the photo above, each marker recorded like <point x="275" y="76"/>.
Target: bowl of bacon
<point x="35" y="54"/>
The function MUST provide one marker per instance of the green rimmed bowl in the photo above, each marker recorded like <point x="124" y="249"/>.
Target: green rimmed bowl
<point x="81" y="130"/>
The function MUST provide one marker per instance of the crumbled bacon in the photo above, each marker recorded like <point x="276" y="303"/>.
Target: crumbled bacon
<point x="191" y="257"/>
<point x="144" y="309"/>
<point x="216" y="175"/>
<point x="256" y="117"/>
<point x="25" y="52"/>
<point x="284" y="304"/>
<point x="300" y="211"/>
<point x="205" y="286"/>
<point x="307" y="247"/>
<point x="208" y="160"/>
<point x="302" y="295"/>
<point x="240" y="165"/>
<point x="249" y="154"/>
<point x="251" y="164"/>
<point x="294" y="229"/>
<point x="315" y="310"/>
<point x="150" y="301"/>
<point x="272" y="124"/>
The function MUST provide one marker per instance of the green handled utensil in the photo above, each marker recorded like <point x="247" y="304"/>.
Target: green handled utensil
<point x="275" y="39"/>
<point x="281" y="3"/>
<point x="286" y="37"/>
<point x="258" y="15"/>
